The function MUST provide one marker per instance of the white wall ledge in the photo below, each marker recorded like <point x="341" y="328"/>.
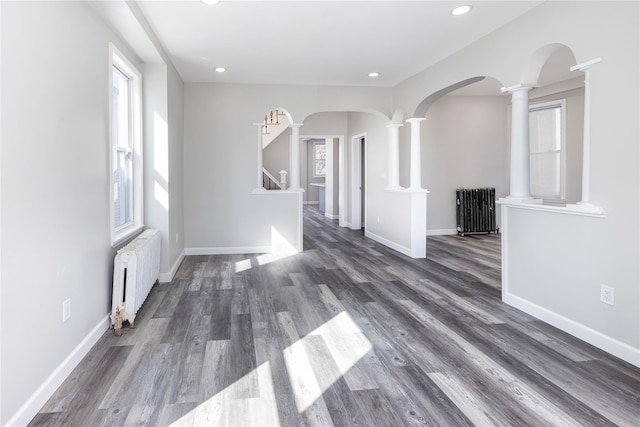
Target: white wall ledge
<point x="406" y="190"/>
<point x="571" y="209"/>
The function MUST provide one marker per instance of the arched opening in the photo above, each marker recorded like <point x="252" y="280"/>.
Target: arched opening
<point x="556" y="122"/>
<point x="345" y="188"/>
<point x="276" y="136"/>
<point x="465" y="145"/>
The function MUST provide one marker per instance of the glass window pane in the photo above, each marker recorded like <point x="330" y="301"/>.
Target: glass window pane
<point x="320" y="155"/>
<point x="121" y="102"/>
<point x="545" y="174"/>
<point x="122" y="189"/>
<point x="545" y="130"/>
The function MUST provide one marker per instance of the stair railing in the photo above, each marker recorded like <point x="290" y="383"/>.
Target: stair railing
<point x="270" y="182"/>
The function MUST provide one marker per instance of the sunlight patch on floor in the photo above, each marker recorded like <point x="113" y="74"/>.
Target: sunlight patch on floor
<point x="243" y="265"/>
<point x="346" y="344"/>
<point x="226" y="409"/>
<point x="344" y="341"/>
<point x="280" y="248"/>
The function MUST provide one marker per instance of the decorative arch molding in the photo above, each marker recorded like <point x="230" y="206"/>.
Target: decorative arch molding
<point x="286" y="113"/>
<point x="531" y="71"/>
<point x="421" y="109"/>
<point x="348" y="110"/>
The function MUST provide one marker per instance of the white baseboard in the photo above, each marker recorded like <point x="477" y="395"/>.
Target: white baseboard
<point x="328" y="215"/>
<point x="442" y="232"/>
<point x="593" y="337"/>
<point x="37" y="400"/>
<point x="393" y="245"/>
<point x="228" y="250"/>
<point x="311" y="203"/>
<point x="167" y="277"/>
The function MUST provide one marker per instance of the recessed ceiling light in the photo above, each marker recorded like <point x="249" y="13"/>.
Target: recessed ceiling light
<point x="374" y="74"/>
<point x="220" y="69"/>
<point x="210" y="2"/>
<point x="461" y="10"/>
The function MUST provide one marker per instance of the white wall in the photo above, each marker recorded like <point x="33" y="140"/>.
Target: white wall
<point x="175" y="101"/>
<point x="163" y="163"/>
<point x="55" y="182"/>
<point x="55" y="191"/>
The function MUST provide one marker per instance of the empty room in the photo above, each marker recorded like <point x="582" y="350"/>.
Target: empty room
<point x="319" y="212"/>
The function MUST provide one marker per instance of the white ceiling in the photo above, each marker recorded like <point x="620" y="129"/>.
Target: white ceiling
<point x="326" y="42"/>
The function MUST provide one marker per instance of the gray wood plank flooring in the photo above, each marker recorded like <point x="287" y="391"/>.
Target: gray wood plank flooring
<point x="347" y="333"/>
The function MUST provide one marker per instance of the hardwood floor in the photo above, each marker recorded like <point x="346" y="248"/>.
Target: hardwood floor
<point x="348" y="332"/>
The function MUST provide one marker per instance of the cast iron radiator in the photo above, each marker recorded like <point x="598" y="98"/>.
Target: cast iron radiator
<point x="475" y="210"/>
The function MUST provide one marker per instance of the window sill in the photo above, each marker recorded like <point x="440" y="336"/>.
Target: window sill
<point x="126" y="234"/>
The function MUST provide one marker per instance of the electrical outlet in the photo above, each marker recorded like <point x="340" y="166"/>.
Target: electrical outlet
<point x="606" y="294"/>
<point x="66" y="309"/>
<point x="176" y="237"/>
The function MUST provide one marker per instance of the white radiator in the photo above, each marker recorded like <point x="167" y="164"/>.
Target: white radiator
<point x="136" y="268"/>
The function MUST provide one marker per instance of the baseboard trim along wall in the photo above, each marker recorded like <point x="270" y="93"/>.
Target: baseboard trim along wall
<point x="442" y="232"/>
<point x="328" y="215"/>
<point x="313" y="202"/>
<point x="31" y="407"/>
<point x="228" y="250"/>
<point x="593" y="337"/>
<point x="393" y="245"/>
<point x="167" y="277"/>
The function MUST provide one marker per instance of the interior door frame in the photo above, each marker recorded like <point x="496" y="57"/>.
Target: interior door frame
<point x="342" y="182"/>
<point x="355" y="174"/>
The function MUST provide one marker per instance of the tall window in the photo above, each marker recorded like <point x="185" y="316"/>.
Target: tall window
<point x="126" y="155"/>
<point x="547" y="150"/>
<point x="319" y="159"/>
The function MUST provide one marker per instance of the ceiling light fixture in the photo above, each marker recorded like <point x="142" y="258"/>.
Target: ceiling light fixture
<point x="220" y="69"/>
<point x="374" y="74"/>
<point x="210" y="2"/>
<point x="461" y="10"/>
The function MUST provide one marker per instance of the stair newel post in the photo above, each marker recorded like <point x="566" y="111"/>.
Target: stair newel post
<point x="283" y="179"/>
<point x="259" y="183"/>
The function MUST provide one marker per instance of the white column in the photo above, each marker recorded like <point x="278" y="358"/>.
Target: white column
<point x="259" y="183"/>
<point x="294" y="158"/>
<point x="586" y="141"/>
<point x="520" y="179"/>
<point x="393" y="167"/>
<point x="415" y="182"/>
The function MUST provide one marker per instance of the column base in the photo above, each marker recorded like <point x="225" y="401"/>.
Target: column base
<point x="299" y="189"/>
<point x="394" y="188"/>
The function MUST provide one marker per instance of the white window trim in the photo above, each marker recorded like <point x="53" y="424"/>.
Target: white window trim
<point x="314" y="158"/>
<point x="121" y="234"/>
<point x="562" y="103"/>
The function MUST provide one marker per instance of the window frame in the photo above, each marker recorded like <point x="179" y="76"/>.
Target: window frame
<point x="562" y="104"/>
<point x="117" y="60"/>
<point x="315" y="144"/>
